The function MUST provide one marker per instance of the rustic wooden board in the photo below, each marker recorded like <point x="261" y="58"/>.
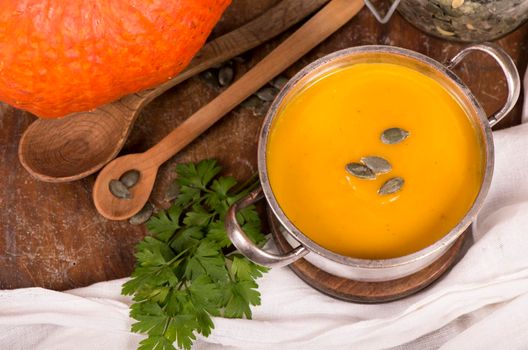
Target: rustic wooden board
<point x="51" y="235"/>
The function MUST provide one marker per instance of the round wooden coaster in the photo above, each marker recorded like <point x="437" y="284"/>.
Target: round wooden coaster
<point x="366" y="292"/>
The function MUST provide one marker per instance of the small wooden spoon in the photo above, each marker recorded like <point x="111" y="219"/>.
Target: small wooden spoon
<point x="74" y="147"/>
<point x="324" y="23"/>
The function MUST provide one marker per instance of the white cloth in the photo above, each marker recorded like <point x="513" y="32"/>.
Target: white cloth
<point x="482" y="303"/>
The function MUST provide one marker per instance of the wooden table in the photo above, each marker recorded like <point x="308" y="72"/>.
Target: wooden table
<point x="50" y="234"/>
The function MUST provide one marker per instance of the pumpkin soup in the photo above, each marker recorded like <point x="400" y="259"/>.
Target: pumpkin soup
<point x="338" y="120"/>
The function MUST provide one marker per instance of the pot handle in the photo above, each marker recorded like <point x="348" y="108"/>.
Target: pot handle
<point x="249" y="249"/>
<point x="376" y="13"/>
<point x="508" y="68"/>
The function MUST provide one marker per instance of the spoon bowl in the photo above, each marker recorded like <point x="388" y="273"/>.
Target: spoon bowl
<point x="71" y="148"/>
<point x="78" y="145"/>
<point x="117" y="208"/>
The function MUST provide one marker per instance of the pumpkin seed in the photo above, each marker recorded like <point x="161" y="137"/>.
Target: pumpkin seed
<point x="279" y="82"/>
<point x="172" y="192"/>
<point x="377" y="164"/>
<point x="210" y="77"/>
<point x="225" y="75"/>
<point x="119" y="190"/>
<point x="267" y="94"/>
<point x="360" y="171"/>
<point x="394" y="135"/>
<point x="262" y="109"/>
<point x="142" y="216"/>
<point x="391" y="186"/>
<point x="444" y="32"/>
<point x="251" y="102"/>
<point x="239" y="59"/>
<point x="130" y="178"/>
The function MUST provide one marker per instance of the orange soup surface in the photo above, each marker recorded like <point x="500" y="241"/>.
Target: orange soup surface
<point x="338" y="119"/>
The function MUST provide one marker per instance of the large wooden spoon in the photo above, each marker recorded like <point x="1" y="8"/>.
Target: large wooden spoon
<point x="318" y="28"/>
<point x="74" y="147"/>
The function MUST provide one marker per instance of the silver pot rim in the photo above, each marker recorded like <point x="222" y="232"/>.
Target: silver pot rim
<point x="446" y="240"/>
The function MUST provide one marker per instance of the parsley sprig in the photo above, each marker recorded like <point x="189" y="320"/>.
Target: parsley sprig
<point x="184" y="274"/>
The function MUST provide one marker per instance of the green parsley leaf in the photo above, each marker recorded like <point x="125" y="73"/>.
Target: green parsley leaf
<point x="150" y="316"/>
<point x="240" y="296"/>
<point x="153" y="252"/>
<point x="252" y="229"/>
<point x="223" y="185"/>
<point x="187" y="196"/>
<point x="207" y="261"/>
<point x="157" y="343"/>
<point x="198" y="216"/>
<point x="218" y="234"/>
<point x="182" y="276"/>
<point x="165" y="223"/>
<point x="245" y="270"/>
<point x="187" y="238"/>
<point x="197" y="176"/>
<point x="146" y="278"/>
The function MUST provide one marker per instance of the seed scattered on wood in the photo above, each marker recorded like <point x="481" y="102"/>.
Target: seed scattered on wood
<point x="262" y="109"/>
<point x="391" y="186"/>
<point x="279" y="82"/>
<point x="267" y="93"/>
<point x="210" y="77"/>
<point x="119" y="190"/>
<point x="130" y="178"/>
<point x="394" y="135"/>
<point x="377" y="164"/>
<point x="172" y="192"/>
<point x="239" y="59"/>
<point x="142" y="216"/>
<point x="225" y="75"/>
<point x="251" y="102"/>
<point x="207" y="75"/>
<point x="360" y="171"/>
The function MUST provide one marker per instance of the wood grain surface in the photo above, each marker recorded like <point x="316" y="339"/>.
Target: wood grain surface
<point x="51" y="235"/>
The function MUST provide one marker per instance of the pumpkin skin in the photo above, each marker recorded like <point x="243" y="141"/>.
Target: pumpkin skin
<point x="58" y="57"/>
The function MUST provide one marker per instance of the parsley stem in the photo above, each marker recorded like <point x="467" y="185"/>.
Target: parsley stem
<point x="166" y="325"/>
<point x="205" y="189"/>
<point x="182" y="283"/>
<point x="177" y="256"/>
<point x="241" y="188"/>
<point x="253" y="186"/>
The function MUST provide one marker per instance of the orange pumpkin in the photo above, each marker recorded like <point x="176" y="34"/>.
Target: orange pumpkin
<point x="64" y="56"/>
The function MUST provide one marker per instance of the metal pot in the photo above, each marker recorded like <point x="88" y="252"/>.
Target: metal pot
<point x="382" y="269"/>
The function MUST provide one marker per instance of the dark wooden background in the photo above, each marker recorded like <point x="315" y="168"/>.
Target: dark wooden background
<point x="50" y="234"/>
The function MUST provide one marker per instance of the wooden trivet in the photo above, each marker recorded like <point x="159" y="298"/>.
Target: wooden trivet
<point x="366" y="292"/>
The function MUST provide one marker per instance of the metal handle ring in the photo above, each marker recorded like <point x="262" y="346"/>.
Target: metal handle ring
<point x="249" y="249"/>
<point x="508" y="68"/>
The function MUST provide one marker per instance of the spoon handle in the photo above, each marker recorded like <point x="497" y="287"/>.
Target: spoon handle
<point x="322" y="25"/>
<point x="266" y="26"/>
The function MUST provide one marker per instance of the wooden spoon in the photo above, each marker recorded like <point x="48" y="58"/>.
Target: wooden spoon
<point x="74" y="147"/>
<point x="324" y="23"/>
